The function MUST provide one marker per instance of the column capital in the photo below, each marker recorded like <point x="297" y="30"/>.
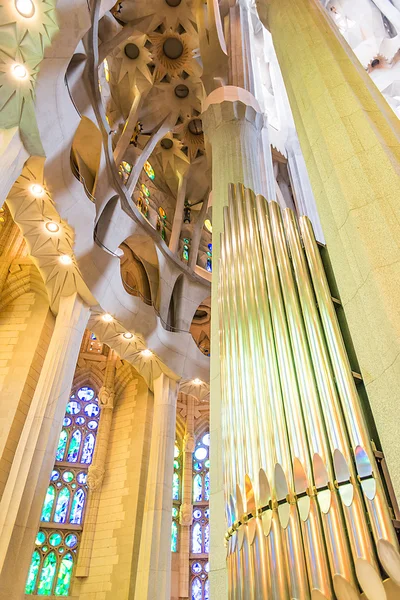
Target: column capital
<point x="106" y="397"/>
<point x="188" y="442"/>
<point x="231" y="103"/>
<point x="186" y="515"/>
<point x="95" y="477"/>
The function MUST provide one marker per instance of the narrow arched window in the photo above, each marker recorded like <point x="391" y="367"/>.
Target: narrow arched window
<point x="176" y="497"/>
<point x="54" y="557"/>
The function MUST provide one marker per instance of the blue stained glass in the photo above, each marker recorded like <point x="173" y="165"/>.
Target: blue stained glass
<point x="74" y="446"/>
<point x="48" y="504"/>
<point x="60" y="515"/>
<point x="174" y="537"/>
<point x="207" y="486"/>
<point x="77" y="507"/>
<point x="197" y="488"/>
<point x="62" y="442"/>
<point x="207" y="590"/>
<point x="86" y="394"/>
<point x="73" y="407"/>
<point x="71" y="540"/>
<point x="207" y="539"/>
<point x="196" y="538"/>
<point x="66" y="422"/>
<point x="196" y="567"/>
<point x="197" y="591"/>
<point x="92" y="409"/>
<point x="175" y="487"/>
<point x="209" y="265"/>
<point x="93" y="337"/>
<point x="88" y="447"/>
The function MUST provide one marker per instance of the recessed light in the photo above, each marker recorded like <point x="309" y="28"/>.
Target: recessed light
<point x="65" y="259"/>
<point x="147" y="353"/>
<point x="26" y="8"/>
<point x="36" y="189"/>
<point x="52" y="227"/>
<point x="128" y="335"/>
<point x="19" y="71"/>
<point x="107" y="318"/>
<point x="197" y="381"/>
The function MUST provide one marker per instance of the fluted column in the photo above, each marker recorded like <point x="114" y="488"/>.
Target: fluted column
<point x="351" y="144"/>
<point x="186" y="511"/>
<point x="154" y="568"/>
<point x="34" y="458"/>
<point x="232" y="123"/>
<point x="97" y="468"/>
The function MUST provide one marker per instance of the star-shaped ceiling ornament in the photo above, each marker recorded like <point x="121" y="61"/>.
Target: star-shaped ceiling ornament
<point x="172" y="54"/>
<point x="169" y="153"/>
<point x="192" y="136"/>
<point x="31" y="34"/>
<point x="148" y="16"/>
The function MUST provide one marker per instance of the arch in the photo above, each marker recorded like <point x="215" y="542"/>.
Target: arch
<point x="86" y="151"/>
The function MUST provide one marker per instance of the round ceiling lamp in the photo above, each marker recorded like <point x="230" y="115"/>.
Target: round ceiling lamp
<point x="26" y="8"/>
<point x="181" y="91"/>
<point x="173" y="48"/>
<point x="128" y="335"/>
<point x="52" y="227"/>
<point x="65" y="259"/>
<point x="107" y="318"/>
<point x="36" y="189"/>
<point x="19" y="71"/>
<point x="195" y="127"/>
<point x="131" y="51"/>
<point x="167" y="143"/>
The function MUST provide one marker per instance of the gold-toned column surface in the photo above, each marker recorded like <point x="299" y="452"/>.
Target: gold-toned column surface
<point x="307" y="514"/>
<point x="350" y="139"/>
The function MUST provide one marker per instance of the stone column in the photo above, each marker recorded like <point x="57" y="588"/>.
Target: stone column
<point x="178" y="216"/>
<point x="97" y="468"/>
<point x="350" y="140"/>
<point x="34" y="458"/>
<point x="154" y="566"/>
<point x="232" y="123"/>
<point x="186" y="511"/>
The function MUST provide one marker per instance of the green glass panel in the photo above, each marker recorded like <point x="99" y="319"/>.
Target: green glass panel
<point x="41" y="536"/>
<point x="62" y="442"/>
<point x="55" y="539"/>
<point x="174" y="512"/>
<point x="175" y="487"/>
<point x="68" y="476"/>
<point x="60" y="514"/>
<point x="64" y="576"/>
<point x="48" y="504"/>
<point x="176" y="464"/>
<point x="176" y="452"/>
<point x="174" y="537"/>
<point x="74" y="446"/>
<point x="47" y="575"/>
<point x="33" y="573"/>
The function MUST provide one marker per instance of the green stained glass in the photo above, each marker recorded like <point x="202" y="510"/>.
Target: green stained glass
<point x="175" y="487"/>
<point x="60" y="514"/>
<point x="33" y="573"/>
<point x="61" y="445"/>
<point x="64" y="576"/>
<point x="55" y="539"/>
<point x="47" y="575"/>
<point x="148" y="169"/>
<point x="174" y="512"/>
<point x="68" y="476"/>
<point x="74" y="446"/>
<point x="174" y="537"/>
<point x="176" y="452"/>
<point x="48" y="504"/>
<point x="41" y="536"/>
<point x="176" y="464"/>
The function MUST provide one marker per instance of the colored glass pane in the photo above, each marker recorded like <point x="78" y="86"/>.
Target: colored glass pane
<point x="197" y="488"/>
<point x="175" y="486"/>
<point x="197" y="589"/>
<point x="209" y="265"/>
<point x="145" y="190"/>
<point x="197" y="514"/>
<point x="92" y="424"/>
<point x="207" y="513"/>
<point x="207" y="539"/>
<point x="80" y="420"/>
<point x="92" y="410"/>
<point x="77" y="507"/>
<point x="40" y="538"/>
<point x="74" y="446"/>
<point x="62" y="442"/>
<point x="73" y="407"/>
<point x="54" y="475"/>
<point x="47" y="575"/>
<point x="148" y="169"/>
<point x="207" y="464"/>
<point x="196" y="567"/>
<point x="55" y="539"/>
<point x="196" y="538"/>
<point x="185" y="253"/>
<point x="197" y="466"/>
<point x="66" y="422"/>
<point x="174" y="512"/>
<point x="88" y="447"/>
<point x="207" y="590"/>
<point x="174" y="537"/>
<point x="127" y="167"/>
<point x="200" y="453"/>
<point x="86" y="394"/>
<point x="71" y="540"/>
<point x="176" y="464"/>
<point x="64" y="576"/>
<point x="207" y="486"/>
<point x="60" y="514"/>
<point x="92" y="336"/>
<point x="176" y="452"/>
<point x="33" y="573"/>
<point x="48" y="504"/>
<point x="81" y="477"/>
<point x="68" y="476"/>
<point x="207" y="567"/>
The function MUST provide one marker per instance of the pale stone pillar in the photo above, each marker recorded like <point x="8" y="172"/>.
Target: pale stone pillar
<point x="186" y="511"/>
<point x="97" y="468"/>
<point x="232" y="123"/>
<point x="34" y="458"/>
<point x="178" y="216"/>
<point x="351" y="144"/>
<point x="153" y="580"/>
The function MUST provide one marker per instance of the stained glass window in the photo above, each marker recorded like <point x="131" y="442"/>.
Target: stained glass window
<point x="200" y="532"/>
<point x="55" y="552"/>
<point x="148" y="169"/>
<point x="209" y="259"/>
<point x="176" y="497"/>
<point x="186" y="248"/>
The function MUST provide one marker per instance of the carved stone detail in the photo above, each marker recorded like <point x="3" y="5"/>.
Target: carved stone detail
<point x="95" y="477"/>
<point x="186" y="515"/>
<point x="106" y="397"/>
<point x="188" y="443"/>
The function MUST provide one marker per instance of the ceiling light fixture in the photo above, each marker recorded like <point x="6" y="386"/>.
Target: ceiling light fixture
<point x="128" y="335"/>
<point x="26" y="8"/>
<point x="37" y="190"/>
<point x="181" y="91"/>
<point x="197" y="381"/>
<point x="52" y="227"/>
<point x="19" y="71"/>
<point x="147" y="353"/>
<point x="65" y="259"/>
<point x="107" y="318"/>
